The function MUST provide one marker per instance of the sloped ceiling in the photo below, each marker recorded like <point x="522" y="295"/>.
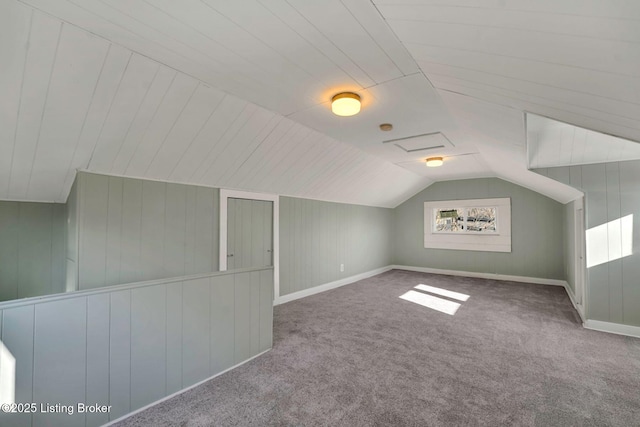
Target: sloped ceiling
<point x="236" y="94"/>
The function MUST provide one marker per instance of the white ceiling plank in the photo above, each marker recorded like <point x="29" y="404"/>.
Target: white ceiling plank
<point x="232" y="150"/>
<point x="254" y="156"/>
<point x="216" y="126"/>
<point x="244" y="175"/>
<point x="577" y="52"/>
<point x="335" y="21"/>
<point x="312" y="157"/>
<point x="271" y="158"/>
<point x="235" y="51"/>
<point x="15" y="27"/>
<point x="551" y="22"/>
<point x="598" y="105"/>
<point x="203" y="165"/>
<point x="374" y="24"/>
<point x="105" y="92"/>
<point x="614" y="124"/>
<point x="610" y="9"/>
<point x="273" y="36"/>
<point x="561" y="77"/>
<point x="43" y="43"/>
<point x="298" y="23"/>
<point x="141" y="120"/>
<point x="79" y="61"/>
<point x="132" y="89"/>
<point x="164" y="120"/>
<point x="163" y="50"/>
<point x="195" y="115"/>
<point x="274" y="169"/>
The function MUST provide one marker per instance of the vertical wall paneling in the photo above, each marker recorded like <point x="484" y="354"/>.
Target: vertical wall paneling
<point x="71" y="237"/>
<point x="94" y="197"/>
<point x="152" y="231"/>
<point x="266" y="310"/>
<point x="316" y="237"/>
<point x="17" y="336"/>
<point x="175" y="343"/>
<point x="60" y="365"/>
<point x="120" y="353"/>
<point x="130" y="268"/>
<point x="223" y="323"/>
<point x="196" y="333"/>
<point x="130" y="346"/>
<point x="536" y="237"/>
<point x="133" y="230"/>
<point x="148" y="344"/>
<point x="255" y="312"/>
<point x="32" y="248"/>
<point x="611" y="192"/>
<point x="175" y="230"/>
<point x="9" y="237"/>
<point x="242" y="320"/>
<point x="114" y="230"/>
<point x="97" y="380"/>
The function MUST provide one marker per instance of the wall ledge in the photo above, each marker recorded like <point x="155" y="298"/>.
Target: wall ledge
<point x="330" y="285"/>
<point x="613" y="328"/>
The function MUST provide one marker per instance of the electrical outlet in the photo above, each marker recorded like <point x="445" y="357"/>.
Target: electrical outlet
<point x="341" y="268"/>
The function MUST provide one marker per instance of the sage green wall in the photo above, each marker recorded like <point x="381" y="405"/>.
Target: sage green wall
<point x="71" y="256"/>
<point x="536" y="231"/>
<point x="131" y="230"/>
<point x="32" y="248"/>
<point x="612" y="191"/>
<point x="316" y="237"/>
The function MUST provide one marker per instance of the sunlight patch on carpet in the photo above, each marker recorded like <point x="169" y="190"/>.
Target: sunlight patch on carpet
<point x="432" y="302"/>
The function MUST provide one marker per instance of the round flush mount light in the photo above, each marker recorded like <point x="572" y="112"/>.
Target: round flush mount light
<point x="434" y="162"/>
<point x="345" y="104"/>
<point x="386" y="127"/>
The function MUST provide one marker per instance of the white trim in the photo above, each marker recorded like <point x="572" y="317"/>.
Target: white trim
<point x="224" y="196"/>
<point x="124" y="417"/>
<point x="613" y="328"/>
<point x="576" y="306"/>
<point x="330" y="285"/>
<point x="522" y="279"/>
<point x="500" y="241"/>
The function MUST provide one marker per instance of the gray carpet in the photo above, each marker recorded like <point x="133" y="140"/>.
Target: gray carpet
<point x="513" y="354"/>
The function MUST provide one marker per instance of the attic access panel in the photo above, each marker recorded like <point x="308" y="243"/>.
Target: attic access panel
<point x="424" y="142"/>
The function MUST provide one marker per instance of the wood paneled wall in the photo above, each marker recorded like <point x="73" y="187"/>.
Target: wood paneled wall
<point x="316" y="237"/>
<point x="32" y="248"/>
<point x="536" y="231"/>
<point x="130" y="345"/>
<point x="611" y="192"/>
<point x="132" y="230"/>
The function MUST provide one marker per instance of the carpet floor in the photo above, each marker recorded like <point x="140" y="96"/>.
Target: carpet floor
<point x="512" y="354"/>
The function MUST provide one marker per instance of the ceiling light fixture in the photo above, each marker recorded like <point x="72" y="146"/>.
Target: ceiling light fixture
<point x="434" y="162"/>
<point x="345" y="104"/>
<point x="386" y="127"/>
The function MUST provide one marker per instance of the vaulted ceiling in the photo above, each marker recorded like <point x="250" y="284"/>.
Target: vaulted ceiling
<point x="236" y="94"/>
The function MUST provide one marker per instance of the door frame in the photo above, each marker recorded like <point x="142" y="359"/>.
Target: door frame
<point x="580" y="260"/>
<point x="237" y="194"/>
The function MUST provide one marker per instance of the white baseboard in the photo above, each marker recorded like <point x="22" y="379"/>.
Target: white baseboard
<point x="520" y="279"/>
<point x="117" y="420"/>
<point x="329" y="286"/>
<point x="579" y="308"/>
<point x="523" y="279"/>
<point x="613" y="328"/>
